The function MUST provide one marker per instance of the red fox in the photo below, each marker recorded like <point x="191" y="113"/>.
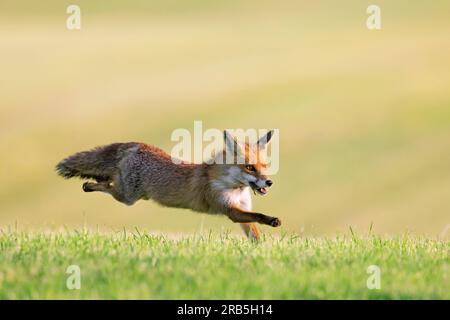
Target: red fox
<point x="133" y="171"/>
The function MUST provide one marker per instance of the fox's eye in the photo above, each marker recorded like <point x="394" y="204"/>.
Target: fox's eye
<point x="250" y="168"/>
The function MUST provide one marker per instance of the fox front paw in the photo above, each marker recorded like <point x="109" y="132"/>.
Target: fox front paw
<point x="275" y="222"/>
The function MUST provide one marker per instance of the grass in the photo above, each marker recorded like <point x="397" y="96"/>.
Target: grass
<point x="219" y="266"/>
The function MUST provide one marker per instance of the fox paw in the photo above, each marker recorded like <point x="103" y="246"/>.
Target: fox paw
<point x="86" y="187"/>
<point x="275" y="222"/>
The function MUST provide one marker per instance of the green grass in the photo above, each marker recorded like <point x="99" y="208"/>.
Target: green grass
<point x="220" y="266"/>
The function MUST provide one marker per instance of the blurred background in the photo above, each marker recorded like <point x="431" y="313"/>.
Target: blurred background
<point x="364" y="116"/>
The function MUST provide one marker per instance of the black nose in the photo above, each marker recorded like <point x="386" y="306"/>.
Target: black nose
<point x="269" y="183"/>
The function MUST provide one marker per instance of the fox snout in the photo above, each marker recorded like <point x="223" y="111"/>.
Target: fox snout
<point x="264" y="182"/>
<point x="261" y="186"/>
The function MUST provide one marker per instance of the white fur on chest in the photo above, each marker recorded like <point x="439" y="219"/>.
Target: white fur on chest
<point x="238" y="198"/>
<point x="230" y="195"/>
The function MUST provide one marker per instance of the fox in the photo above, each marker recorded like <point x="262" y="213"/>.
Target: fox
<point x="135" y="171"/>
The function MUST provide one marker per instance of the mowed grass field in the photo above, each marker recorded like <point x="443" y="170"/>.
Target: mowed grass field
<point x="219" y="266"/>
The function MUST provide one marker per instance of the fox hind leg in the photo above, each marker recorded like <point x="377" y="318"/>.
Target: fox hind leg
<point x="107" y="188"/>
<point x="92" y="186"/>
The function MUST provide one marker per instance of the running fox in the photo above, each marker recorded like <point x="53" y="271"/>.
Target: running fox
<point x="133" y="171"/>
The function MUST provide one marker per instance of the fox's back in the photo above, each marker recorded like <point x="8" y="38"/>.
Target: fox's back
<point x="149" y="172"/>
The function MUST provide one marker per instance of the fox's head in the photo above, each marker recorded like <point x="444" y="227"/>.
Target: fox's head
<point x="248" y="165"/>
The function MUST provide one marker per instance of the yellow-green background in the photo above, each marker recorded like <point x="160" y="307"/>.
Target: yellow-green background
<point x="364" y="116"/>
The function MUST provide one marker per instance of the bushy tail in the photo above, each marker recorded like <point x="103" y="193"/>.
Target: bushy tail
<point x="100" y="163"/>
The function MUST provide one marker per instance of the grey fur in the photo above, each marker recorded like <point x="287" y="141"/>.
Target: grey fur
<point x="100" y="163"/>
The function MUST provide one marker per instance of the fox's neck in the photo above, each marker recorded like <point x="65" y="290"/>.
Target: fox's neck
<point x="204" y="187"/>
<point x="224" y="191"/>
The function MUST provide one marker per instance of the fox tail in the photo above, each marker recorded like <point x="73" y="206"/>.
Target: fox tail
<point x="100" y="163"/>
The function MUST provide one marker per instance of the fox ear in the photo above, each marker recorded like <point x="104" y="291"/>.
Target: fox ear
<point x="264" y="141"/>
<point x="231" y="144"/>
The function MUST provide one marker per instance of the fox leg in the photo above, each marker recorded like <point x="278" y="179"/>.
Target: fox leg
<point x="107" y="188"/>
<point x="251" y="231"/>
<point x="239" y="215"/>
